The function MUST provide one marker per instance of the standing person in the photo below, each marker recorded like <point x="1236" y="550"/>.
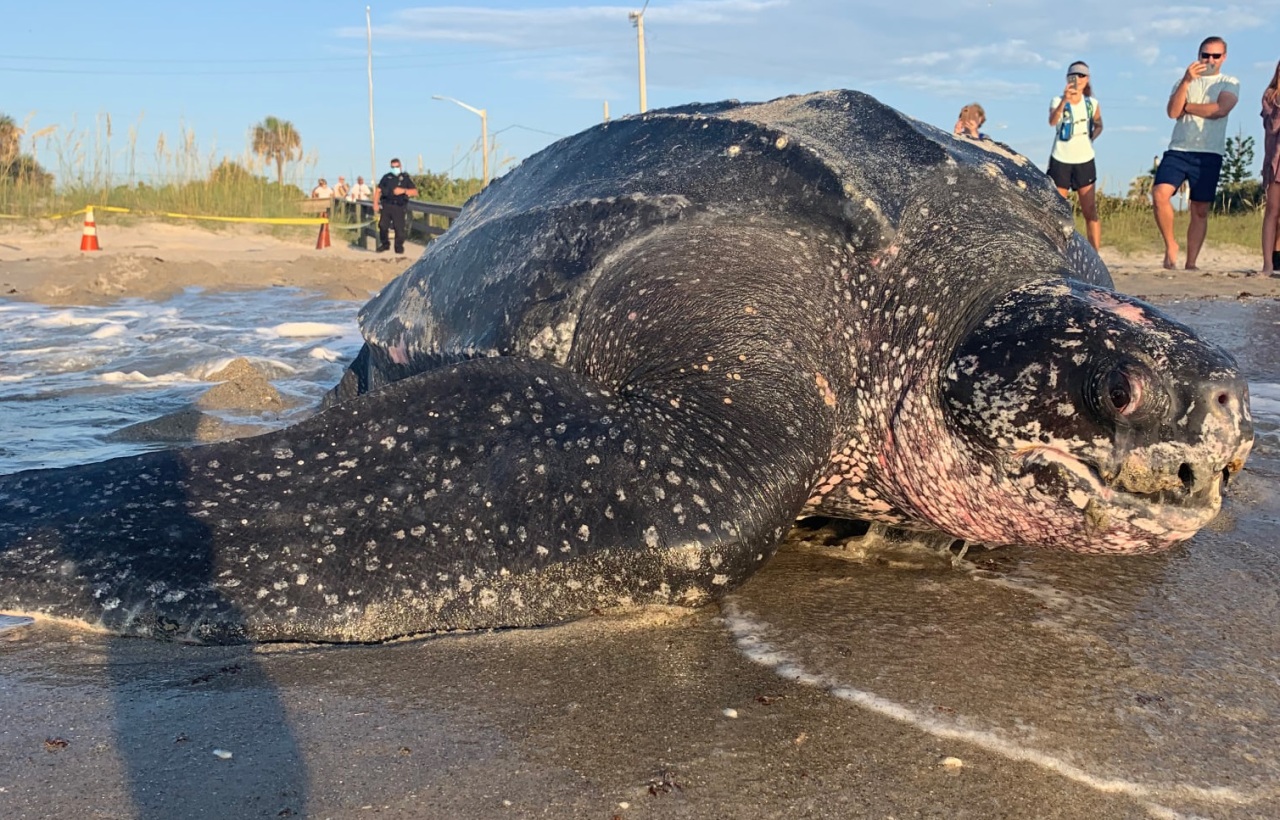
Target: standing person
<point x="1200" y="102"/>
<point x="971" y="118"/>
<point x="1078" y="118"/>
<point x="1271" y="175"/>
<point x="394" y="190"/>
<point x="322" y="190"/>
<point x="341" y="190"/>
<point x="359" y="191"/>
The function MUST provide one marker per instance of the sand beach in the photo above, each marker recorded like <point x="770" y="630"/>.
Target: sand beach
<point x="832" y="685"/>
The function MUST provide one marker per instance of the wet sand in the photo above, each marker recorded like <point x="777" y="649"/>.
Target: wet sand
<point x="834" y="684"/>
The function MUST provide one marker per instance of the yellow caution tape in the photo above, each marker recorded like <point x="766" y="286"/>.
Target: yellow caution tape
<point x="263" y="220"/>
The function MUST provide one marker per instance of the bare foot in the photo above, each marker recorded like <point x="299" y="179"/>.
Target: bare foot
<point x="1191" y="267"/>
<point x="1170" y="260"/>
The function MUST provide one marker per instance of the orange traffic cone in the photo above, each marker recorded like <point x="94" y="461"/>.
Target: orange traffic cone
<point x="322" y="238"/>
<point x="89" y="239"/>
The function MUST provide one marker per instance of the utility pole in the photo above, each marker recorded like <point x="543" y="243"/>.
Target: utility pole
<point x="606" y="110"/>
<point x="483" y="114"/>
<point x="637" y="17"/>
<point x="373" y="155"/>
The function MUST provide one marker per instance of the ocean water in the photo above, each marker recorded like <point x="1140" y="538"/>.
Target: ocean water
<point x="70" y="376"/>
<point x="1154" y="677"/>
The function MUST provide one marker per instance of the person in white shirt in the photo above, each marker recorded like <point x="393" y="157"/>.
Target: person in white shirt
<point x="1078" y="119"/>
<point x="1200" y="103"/>
<point x="322" y="191"/>
<point x="359" y="191"/>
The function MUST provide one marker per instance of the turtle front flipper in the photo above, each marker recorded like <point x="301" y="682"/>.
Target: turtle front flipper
<point x="496" y="492"/>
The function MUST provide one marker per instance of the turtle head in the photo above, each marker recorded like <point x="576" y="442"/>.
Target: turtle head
<point x="1106" y="426"/>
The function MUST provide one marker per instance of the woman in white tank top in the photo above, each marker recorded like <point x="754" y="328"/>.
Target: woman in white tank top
<point x="1077" y="121"/>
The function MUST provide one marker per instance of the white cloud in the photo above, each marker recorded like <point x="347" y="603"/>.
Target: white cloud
<point x="1010" y="52"/>
<point x="958" y="87"/>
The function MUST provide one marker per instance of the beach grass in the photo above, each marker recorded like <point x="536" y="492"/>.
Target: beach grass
<point x="98" y="166"/>
<point x="1129" y="227"/>
<point x="1133" y="230"/>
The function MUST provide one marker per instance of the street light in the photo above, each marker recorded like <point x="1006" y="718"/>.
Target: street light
<point x="484" y="129"/>
<point x="637" y="17"/>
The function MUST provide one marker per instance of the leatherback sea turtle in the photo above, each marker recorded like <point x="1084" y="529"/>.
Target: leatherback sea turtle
<point x="634" y="361"/>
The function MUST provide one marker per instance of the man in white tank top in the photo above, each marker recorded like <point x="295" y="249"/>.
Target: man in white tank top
<point x="1200" y="103"/>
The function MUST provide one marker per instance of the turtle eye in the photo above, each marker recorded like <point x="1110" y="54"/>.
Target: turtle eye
<point x="1127" y="391"/>
<point x="1122" y="394"/>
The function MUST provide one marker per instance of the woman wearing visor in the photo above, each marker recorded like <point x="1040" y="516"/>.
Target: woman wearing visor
<point x="1077" y="119"/>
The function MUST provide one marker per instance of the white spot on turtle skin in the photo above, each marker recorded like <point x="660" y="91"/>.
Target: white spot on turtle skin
<point x="651" y="537"/>
<point x="301" y="580"/>
<point x="733" y="150"/>
<point x="686" y="556"/>
<point x="780" y="143"/>
<point x="584" y="533"/>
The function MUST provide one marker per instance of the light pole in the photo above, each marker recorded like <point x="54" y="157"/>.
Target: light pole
<point x="637" y="17"/>
<point x="484" y="129"/>
<point x="373" y="156"/>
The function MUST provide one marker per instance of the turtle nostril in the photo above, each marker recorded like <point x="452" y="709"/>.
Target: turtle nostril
<point x="1223" y="397"/>
<point x="1187" y="476"/>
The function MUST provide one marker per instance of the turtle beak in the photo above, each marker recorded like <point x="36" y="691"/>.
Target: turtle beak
<point x="1214" y="429"/>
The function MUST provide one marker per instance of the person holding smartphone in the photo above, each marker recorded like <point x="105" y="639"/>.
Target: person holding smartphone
<point x="970" y="121"/>
<point x="1200" y="102"/>
<point x="1077" y="118"/>
<point x="1271" y="175"/>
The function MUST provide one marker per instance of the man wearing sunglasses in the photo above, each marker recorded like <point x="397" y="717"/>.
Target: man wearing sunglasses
<point x="1200" y="103"/>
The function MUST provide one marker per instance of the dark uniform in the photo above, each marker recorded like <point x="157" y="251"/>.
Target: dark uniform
<point x="393" y="207"/>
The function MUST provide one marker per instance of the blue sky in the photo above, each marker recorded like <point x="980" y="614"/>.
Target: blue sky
<point x="544" y="69"/>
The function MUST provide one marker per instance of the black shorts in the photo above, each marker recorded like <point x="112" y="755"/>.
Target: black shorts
<point x="1072" y="175"/>
<point x="1200" y="169"/>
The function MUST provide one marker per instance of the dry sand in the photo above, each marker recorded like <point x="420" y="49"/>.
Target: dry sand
<point x="155" y="260"/>
<point x="601" y="719"/>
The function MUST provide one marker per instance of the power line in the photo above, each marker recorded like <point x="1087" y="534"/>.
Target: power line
<point x="527" y="128"/>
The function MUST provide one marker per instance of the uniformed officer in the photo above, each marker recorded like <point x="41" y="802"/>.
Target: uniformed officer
<point x="394" y="190"/>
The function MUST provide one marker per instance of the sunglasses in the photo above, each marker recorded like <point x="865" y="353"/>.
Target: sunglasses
<point x="1069" y="76"/>
<point x="1204" y="55"/>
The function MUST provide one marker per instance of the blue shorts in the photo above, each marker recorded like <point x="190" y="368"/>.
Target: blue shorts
<point x="1199" y="168"/>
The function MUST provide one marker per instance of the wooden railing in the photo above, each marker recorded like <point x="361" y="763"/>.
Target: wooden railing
<point x="426" y="219"/>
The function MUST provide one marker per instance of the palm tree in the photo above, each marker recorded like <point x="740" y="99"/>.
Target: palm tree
<point x="10" y="139"/>
<point x="276" y="139"/>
